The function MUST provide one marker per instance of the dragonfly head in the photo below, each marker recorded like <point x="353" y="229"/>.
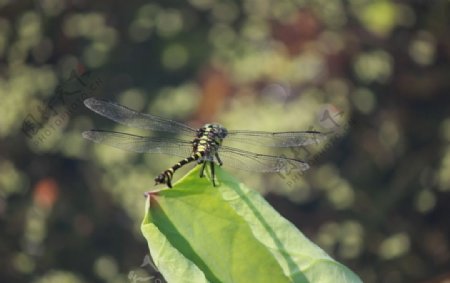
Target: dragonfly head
<point x="218" y="130"/>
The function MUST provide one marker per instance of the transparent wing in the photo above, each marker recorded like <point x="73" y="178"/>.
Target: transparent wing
<point x="128" y="117"/>
<point x="249" y="161"/>
<point x="140" y="144"/>
<point x="276" y="139"/>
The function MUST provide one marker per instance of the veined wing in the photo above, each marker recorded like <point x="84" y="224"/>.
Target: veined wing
<point x="140" y="144"/>
<point x="276" y="139"/>
<point x="250" y="161"/>
<point x="128" y="117"/>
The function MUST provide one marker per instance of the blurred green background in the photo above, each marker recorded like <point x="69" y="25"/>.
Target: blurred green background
<point x="377" y="197"/>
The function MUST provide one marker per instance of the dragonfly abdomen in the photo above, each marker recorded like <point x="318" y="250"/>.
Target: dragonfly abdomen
<point x="166" y="176"/>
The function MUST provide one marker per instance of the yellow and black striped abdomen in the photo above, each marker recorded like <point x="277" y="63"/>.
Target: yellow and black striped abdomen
<point x="166" y="176"/>
<point x="185" y="161"/>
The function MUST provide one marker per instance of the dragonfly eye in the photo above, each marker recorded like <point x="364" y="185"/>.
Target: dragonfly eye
<point x="222" y="133"/>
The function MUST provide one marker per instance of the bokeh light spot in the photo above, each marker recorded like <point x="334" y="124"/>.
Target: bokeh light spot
<point x="174" y="57"/>
<point x="422" y="49"/>
<point x="425" y="201"/>
<point x="364" y="100"/>
<point x="394" y="246"/>
<point x="169" y="22"/>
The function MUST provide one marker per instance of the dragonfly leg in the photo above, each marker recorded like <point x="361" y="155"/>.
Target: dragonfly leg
<point x="213" y="174"/>
<point x="218" y="159"/>
<point x="202" y="171"/>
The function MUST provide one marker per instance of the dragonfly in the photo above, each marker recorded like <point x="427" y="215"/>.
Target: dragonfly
<point x="205" y="145"/>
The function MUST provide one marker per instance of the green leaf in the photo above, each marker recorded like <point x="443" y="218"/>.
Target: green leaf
<point x="229" y="233"/>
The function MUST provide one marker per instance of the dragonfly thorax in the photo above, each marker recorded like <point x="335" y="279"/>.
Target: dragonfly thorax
<point x="209" y="138"/>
